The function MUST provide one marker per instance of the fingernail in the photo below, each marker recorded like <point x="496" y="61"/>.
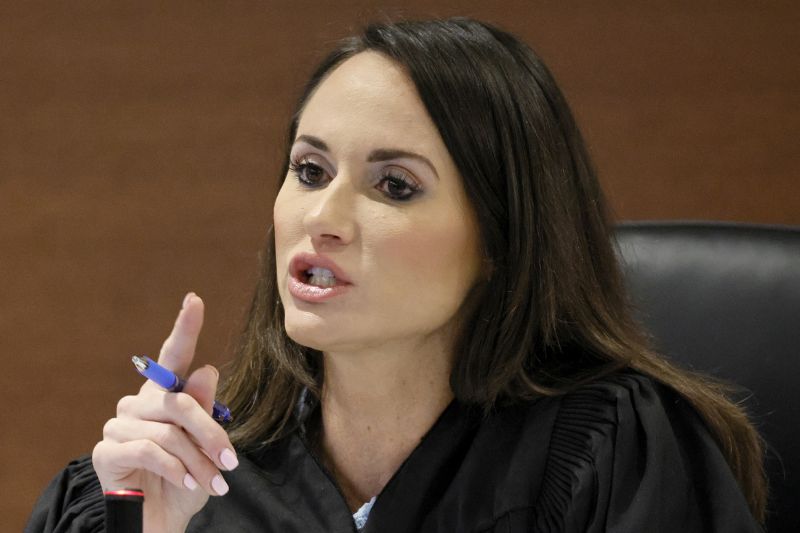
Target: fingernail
<point x="186" y="299"/>
<point x="228" y="459"/>
<point x="219" y="485"/>
<point x="189" y="482"/>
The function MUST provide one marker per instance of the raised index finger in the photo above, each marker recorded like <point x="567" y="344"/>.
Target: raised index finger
<point x="177" y="351"/>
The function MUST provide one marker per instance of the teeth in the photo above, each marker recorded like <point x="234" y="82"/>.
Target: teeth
<point x="319" y="271"/>
<point x="321" y="277"/>
<point x="319" y="281"/>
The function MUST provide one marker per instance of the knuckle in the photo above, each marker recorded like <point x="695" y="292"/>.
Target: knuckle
<point x="210" y="439"/>
<point x="170" y="468"/>
<point x="98" y="453"/>
<point x="220" y="439"/>
<point x="167" y="436"/>
<point x="144" y="450"/>
<point x="185" y="403"/>
<point x="125" y="404"/>
<point x="109" y="428"/>
<point x="104" y="455"/>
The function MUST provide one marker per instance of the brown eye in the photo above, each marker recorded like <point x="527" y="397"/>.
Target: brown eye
<point x="398" y="187"/>
<point x="307" y="173"/>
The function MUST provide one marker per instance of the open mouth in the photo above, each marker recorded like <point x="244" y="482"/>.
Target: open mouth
<point x="318" y="276"/>
<point x="311" y="282"/>
<point x="315" y="275"/>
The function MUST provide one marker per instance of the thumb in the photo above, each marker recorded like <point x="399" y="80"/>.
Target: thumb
<point x="178" y="350"/>
<point x="202" y="386"/>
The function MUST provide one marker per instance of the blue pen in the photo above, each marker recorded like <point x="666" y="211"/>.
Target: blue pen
<point x="167" y="379"/>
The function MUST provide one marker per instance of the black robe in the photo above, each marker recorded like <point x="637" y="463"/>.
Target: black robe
<point x="624" y="454"/>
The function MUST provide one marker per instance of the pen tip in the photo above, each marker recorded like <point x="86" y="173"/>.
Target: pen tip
<point x="140" y="363"/>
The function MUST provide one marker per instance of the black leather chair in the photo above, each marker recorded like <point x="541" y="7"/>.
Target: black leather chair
<point x="724" y="298"/>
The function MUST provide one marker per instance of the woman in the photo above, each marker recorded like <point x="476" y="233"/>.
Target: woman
<point x="439" y="340"/>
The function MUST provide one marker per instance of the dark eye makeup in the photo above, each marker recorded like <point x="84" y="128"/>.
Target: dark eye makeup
<point x="392" y="183"/>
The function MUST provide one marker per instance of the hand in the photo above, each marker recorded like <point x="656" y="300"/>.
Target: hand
<point x="166" y="443"/>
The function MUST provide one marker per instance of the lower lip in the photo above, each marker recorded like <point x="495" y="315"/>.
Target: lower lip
<point x="312" y="293"/>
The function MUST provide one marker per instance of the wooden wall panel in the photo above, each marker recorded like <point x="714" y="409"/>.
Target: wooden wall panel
<point x="139" y="145"/>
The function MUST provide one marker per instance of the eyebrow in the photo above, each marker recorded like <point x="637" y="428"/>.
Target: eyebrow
<point x="380" y="154"/>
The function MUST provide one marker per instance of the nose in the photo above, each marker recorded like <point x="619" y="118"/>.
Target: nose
<point x="330" y="218"/>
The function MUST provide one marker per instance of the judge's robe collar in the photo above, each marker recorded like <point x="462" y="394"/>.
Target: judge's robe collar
<point x="452" y="451"/>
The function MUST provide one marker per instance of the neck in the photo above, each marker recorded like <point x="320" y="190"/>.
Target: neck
<point x="375" y="409"/>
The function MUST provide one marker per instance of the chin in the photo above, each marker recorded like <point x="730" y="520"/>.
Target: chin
<point x="310" y="330"/>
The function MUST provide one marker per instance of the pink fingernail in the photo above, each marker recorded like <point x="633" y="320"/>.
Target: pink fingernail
<point x="189" y="482"/>
<point x="219" y="485"/>
<point x="186" y="299"/>
<point x="228" y="459"/>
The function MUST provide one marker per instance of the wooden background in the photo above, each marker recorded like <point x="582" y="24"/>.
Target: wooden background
<point x="140" y="141"/>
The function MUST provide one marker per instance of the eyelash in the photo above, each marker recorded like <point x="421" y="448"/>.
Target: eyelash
<point x="299" y="169"/>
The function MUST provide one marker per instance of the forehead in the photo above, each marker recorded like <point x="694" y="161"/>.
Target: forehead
<point x="369" y="100"/>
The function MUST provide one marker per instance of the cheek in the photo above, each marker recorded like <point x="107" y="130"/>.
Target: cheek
<point x="287" y="231"/>
<point x="442" y="260"/>
<point x="287" y="217"/>
<point x="280" y="209"/>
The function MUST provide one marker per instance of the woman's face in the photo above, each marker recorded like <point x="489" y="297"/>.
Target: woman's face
<point x="373" y="193"/>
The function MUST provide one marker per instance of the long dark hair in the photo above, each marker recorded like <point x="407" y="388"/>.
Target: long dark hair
<point x="552" y="313"/>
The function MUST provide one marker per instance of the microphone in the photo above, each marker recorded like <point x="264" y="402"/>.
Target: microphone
<point x="124" y="510"/>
